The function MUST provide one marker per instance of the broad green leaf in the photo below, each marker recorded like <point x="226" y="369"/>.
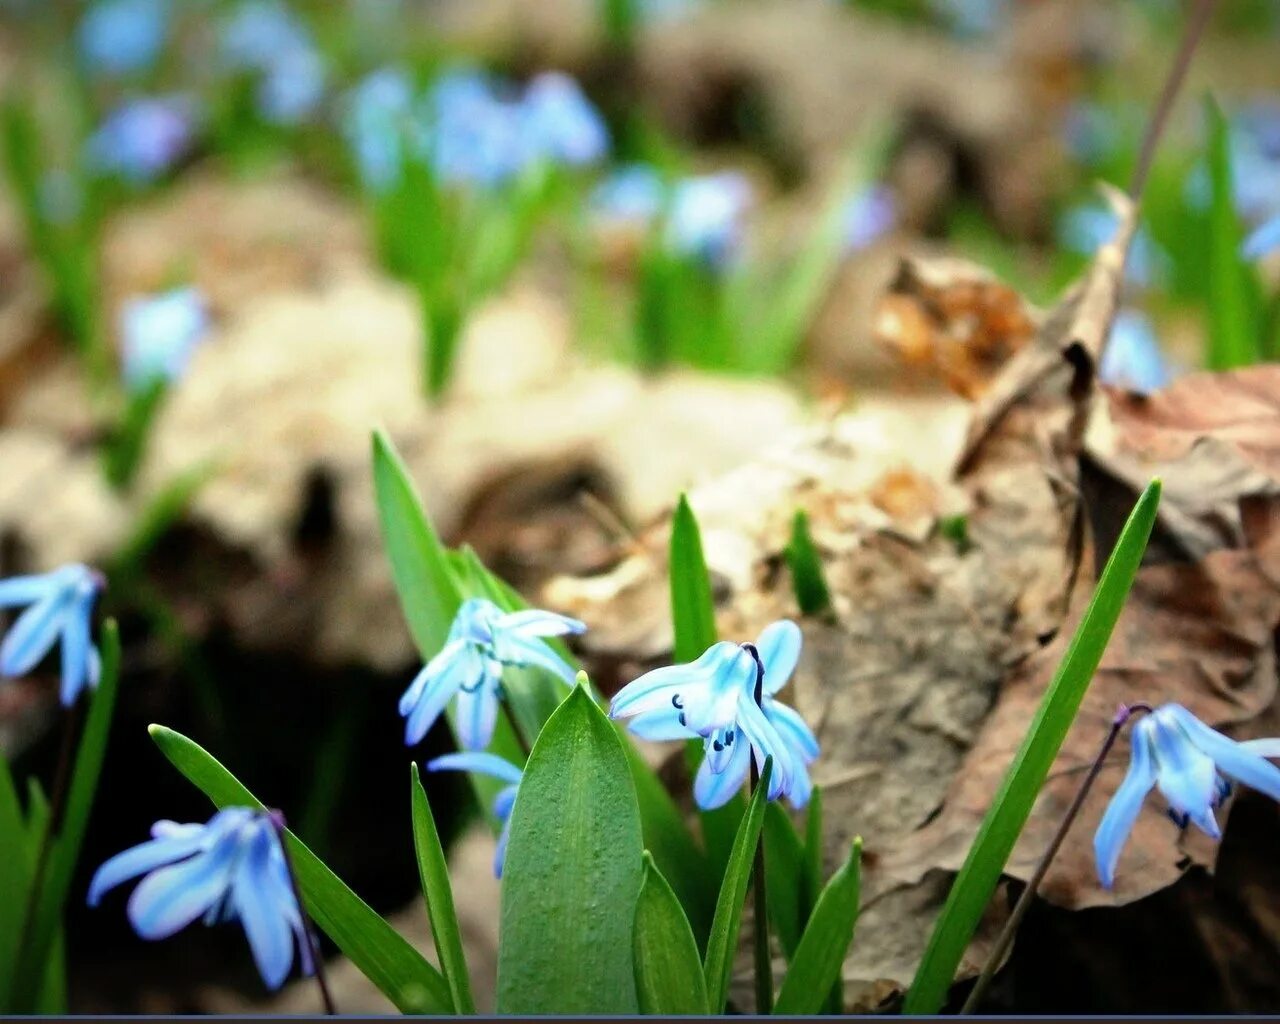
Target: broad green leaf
<point x="378" y="951"/>
<point x="13" y="880"/>
<point x="786" y="870"/>
<point x="807" y="580"/>
<point x="66" y="835"/>
<point x="815" y="969"/>
<point x="572" y="872"/>
<point x="1235" y="328"/>
<point x="693" y="617"/>
<point x="433" y="869"/>
<point x="1008" y="812"/>
<point x="669" y="977"/>
<point x="723" y="942"/>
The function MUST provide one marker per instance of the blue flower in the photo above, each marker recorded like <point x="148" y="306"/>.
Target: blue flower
<point x="488" y="764"/>
<point x="705" y="219"/>
<point x="561" y="124"/>
<point x="1264" y="239"/>
<point x="118" y="37"/>
<point x="1085" y="229"/>
<point x="631" y="195"/>
<point x="158" y="335"/>
<point x="143" y="139"/>
<point x="264" y="36"/>
<point x="375" y="121"/>
<point x="231" y="867"/>
<point x="971" y="19"/>
<point x="1192" y="766"/>
<point x="868" y="214"/>
<point x="292" y="87"/>
<point x="714" y="698"/>
<point x="1132" y="358"/>
<point x="470" y="134"/>
<point x="59" y="606"/>
<point x="482" y="640"/>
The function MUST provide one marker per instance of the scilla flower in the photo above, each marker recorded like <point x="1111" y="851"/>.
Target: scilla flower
<point x="1085" y="229"/>
<point x="376" y="114"/>
<point x="231" y="867"/>
<point x="714" y="697"/>
<point x="705" y="218"/>
<point x="488" y="764"/>
<point x="1191" y="765"/>
<point x="118" y="37"/>
<point x="158" y="334"/>
<point x="1263" y="240"/>
<point x="631" y="195"/>
<point x="143" y="139"/>
<point x="59" y="606"/>
<point x="1132" y="358"/>
<point x="560" y="122"/>
<point x="867" y="215"/>
<point x="482" y="641"/>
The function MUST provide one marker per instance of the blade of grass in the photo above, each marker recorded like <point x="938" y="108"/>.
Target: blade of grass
<point x="807" y="579"/>
<point x="1012" y="804"/>
<point x="434" y="872"/>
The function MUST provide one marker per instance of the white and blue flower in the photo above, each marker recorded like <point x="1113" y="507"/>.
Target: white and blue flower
<point x="144" y="138"/>
<point x="1193" y="766"/>
<point x="232" y="867"/>
<point x="705" y="217"/>
<point x="482" y="641"/>
<point x="561" y="124"/>
<point x="376" y="118"/>
<point x="120" y="37"/>
<point x="488" y="764"/>
<point x="158" y="335"/>
<point x="715" y="698"/>
<point x="59" y="606"/>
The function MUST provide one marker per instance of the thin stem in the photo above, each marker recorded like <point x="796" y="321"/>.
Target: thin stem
<point x="308" y="933"/>
<point x="61" y="786"/>
<point x="763" y="961"/>
<point x="1020" y="909"/>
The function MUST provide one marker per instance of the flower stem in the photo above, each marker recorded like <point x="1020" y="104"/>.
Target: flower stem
<point x="308" y="934"/>
<point x="61" y="786"/>
<point x="763" y="961"/>
<point x="1020" y="909"/>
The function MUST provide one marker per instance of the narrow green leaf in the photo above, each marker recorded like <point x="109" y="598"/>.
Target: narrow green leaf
<point x="433" y="869"/>
<point x="64" y="851"/>
<point x="807" y="579"/>
<point x="1008" y="812"/>
<point x="813" y="884"/>
<point x="14" y="880"/>
<point x="574" y="857"/>
<point x="723" y="942"/>
<point x="398" y="970"/>
<point x="1235" y="328"/>
<point x="815" y="969"/>
<point x="786" y="871"/>
<point x="693" y="612"/>
<point x="669" y="977"/>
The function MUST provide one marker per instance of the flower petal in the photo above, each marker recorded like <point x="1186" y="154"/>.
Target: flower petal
<point x="779" y="647"/>
<point x="504" y="802"/>
<point x="258" y="903"/>
<point x="76" y="647"/>
<point x="714" y="789"/>
<point x="169" y="899"/>
<point x="793" y="729"/>
<point x="500" y="854"/>
<point x="716" y="706"/>
<point x="1121" y="813"/>
<point x="1264" y="239"/>
<point x="32" y="636"/>
<point x="514" y="650"/>
<point x="1184" y="773"/>
<point x="20" y="590"/>
<point x="445" y="661"/>
<point x="653" y="690"/>
<point x="1263" y="748"/>
<point x="1242" y="764"/>
<point x="464" y="671"/>
<point x="765" y="742"/>
<point x="801" y="787"/>
<point x="718" y="749"/>
<point x="477" y="761"/>
<point x="477" y="711"/>
<point x="138" y="860"/>
<point x="532" y="622"/>
<point x="661" y="725"/>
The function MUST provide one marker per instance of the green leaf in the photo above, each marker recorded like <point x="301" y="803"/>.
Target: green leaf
<point x="1008" y="812"/>
<point x="64" y="847"/>
<point x="1235" y="327"/>
<point x="815" y="969"/>
<point x="14" y="880"/>
<point x="669" y="977"/>
<point x="572" y="872"/>
<point x="807" y="580"/>
<point x="786" y="870"/>
<point x="693" y="612"/>
<point x="433" y="869"/>
<point x="723" y="942"/>
<point x="378" y="951"/>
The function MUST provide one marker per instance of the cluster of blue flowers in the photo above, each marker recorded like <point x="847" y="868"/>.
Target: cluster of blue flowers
<point x="265" y="39"/>
<point x="469" y="128"/>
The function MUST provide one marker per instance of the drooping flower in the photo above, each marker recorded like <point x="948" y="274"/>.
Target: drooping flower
<point x="561" y="124"/>
<point x="705" y="218"/>
<point x="59" y="607"/>
<point x="1193" y="766"/>
<point x="158" y="335"/>
<point x="144" y="138"/>
<point x="470" y="134"/>
<point x="1133" y="359"/>
<point x="1085" y="229"/>
<point x="868" y="214"/>
<point x="266" y="38"/>
<point x="119" y="37"/>
<point x="714" y="698"/>
<point x="488" y="764"/>
<point x="231" y="867"/>
<point x="1263" y="240"/>
<point x="375" y="121"/>
<point x="482" y="641"/>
